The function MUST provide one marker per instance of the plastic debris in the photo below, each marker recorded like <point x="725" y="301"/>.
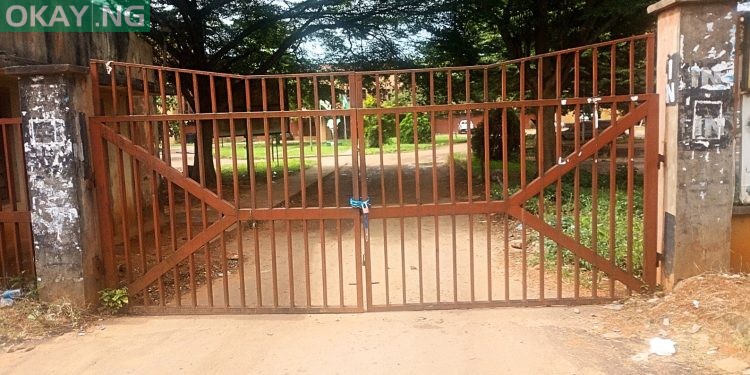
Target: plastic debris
<point x="7" y="297"/>
<point x="663" y="347"/>
<point x="696" y="304"/>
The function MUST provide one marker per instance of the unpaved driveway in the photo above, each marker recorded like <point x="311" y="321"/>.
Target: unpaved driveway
<point x="481" y="341"/>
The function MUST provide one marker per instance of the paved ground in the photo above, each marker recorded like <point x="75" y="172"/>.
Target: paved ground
<point x="491" y="341"/>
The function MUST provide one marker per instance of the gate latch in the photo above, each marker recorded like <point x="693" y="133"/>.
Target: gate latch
<point x="364" y="206"/>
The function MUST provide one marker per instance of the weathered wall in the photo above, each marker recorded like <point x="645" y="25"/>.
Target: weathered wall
<point x="52" y="147"/>
<point x="695" y="78"/>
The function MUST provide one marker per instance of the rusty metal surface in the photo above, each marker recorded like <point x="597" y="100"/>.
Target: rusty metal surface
<point x="230" y="193"/>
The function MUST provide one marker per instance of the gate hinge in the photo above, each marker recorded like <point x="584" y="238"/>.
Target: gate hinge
<point x="661" y="161"/>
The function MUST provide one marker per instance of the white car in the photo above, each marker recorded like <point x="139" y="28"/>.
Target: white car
<point x="464" y="125"/>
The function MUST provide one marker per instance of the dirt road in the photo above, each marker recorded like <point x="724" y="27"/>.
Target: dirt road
<point x="481" y="341"/>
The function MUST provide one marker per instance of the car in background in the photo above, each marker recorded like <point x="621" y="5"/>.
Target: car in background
<point x="464" y="125"/>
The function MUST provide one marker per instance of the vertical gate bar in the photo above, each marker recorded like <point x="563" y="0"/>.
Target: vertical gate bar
<point x="400" y="182"/>
<point x="558" y="156"/>
<point x="576" y="198"/>
<point x="524" y="266"/>
<point x="631" y="68"/>
<point x="650" y="70"/>
<point x="303" y="190"/>
<point x="236" y="191"/>
<point x="283" y="122"/>
<point x="135" y="180"/>
<point x="12" y="200"/>
<point x="188" y="208"/>
<point x="435" y="195"/>
<point x="612" y="199"/>
<point x="650" y="193"/>
<point x="321" y="223"/>
<point x="101" y="174"/>
<point x="505" y="192"/>
<point x="124" y="222"/>
<point x="100" y="157"/>
<point x="540" y="167"/>
<point x="202" y="179"/>
<point x="151" y="147"/>
<point x="417" y="185"/>
<point x="4" y="268"/>
<point x="113" y="89"/>
<point x="5" y="272"/>
<point x="595" y="175"/>
<point x="359" y="168"/>
<point x="486" y="166"/>
<point x="219" y="188"/>
<point x="506" y="229"/>
<point x="167" y="157"/>
<point x="541" y="202"/>
<point x="629" y="214"/>
<point x="451" y="184"/>
<point x="383" y="199"/>
<point x="613" y="70"/>
<point x="470" y="184"/>
<point x="337" y="189"/>
<point x="577" y="174"/>
<point x="269" y="192"/>
<point x="252" y="180"/>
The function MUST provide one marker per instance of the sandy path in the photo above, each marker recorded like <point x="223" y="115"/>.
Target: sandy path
<point x="480" y="341"/>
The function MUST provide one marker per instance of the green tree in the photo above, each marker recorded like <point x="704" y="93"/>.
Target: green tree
<point x="487" y="31"/>
<point x="259" y="37"/>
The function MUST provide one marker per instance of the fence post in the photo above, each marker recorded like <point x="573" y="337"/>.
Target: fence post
<point x="55" y="102"/>
<point x="695" y="79"/>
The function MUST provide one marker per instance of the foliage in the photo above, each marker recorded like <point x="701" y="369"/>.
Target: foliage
<point x="406" y="129"/>
<point x="380" y="129"/>
<point x="495" y="125"/>
<point x="113" y="300"/>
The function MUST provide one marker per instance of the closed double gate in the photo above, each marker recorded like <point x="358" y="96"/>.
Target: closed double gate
<point x="528" y="182"/>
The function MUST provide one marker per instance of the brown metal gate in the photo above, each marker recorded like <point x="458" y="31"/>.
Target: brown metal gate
<point x="223" y="192"/>
<point x="16" y="249"/>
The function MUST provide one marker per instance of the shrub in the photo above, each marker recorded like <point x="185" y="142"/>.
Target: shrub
<point x="372" y="130"/>
<point x="424" y="131"/>
<point x="496" y="135"/>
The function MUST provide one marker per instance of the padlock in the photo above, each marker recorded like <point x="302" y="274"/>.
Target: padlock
<point x="365" y="209"/>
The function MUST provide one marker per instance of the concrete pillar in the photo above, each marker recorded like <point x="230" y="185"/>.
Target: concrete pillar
<point x="695" y="80"/>
<point x="54" y="105"/>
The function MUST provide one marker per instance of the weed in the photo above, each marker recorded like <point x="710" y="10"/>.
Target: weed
<point x="113" y="300"/>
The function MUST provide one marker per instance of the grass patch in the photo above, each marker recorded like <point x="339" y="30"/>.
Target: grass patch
<point x="276" y="170"/>
<point x="390" y="146"/>
<point x="260" y="149"/>
<point x="626" y="241"/>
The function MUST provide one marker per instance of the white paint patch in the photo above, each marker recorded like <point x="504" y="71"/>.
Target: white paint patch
<point x="564" y="102"/>
<point x="634" y="98"/>
<point x="710" y="27"/>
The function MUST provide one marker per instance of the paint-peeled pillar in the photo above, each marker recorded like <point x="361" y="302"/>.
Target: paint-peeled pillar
<point x="53" y="130"/>
<point x="695" y="79"/>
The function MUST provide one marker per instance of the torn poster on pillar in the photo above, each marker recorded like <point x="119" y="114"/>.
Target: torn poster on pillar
<point x="705" y="97"/>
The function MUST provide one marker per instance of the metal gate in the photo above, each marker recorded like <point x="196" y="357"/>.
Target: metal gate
<point x="16" y="249"/>
<point x="525" y="182"/>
